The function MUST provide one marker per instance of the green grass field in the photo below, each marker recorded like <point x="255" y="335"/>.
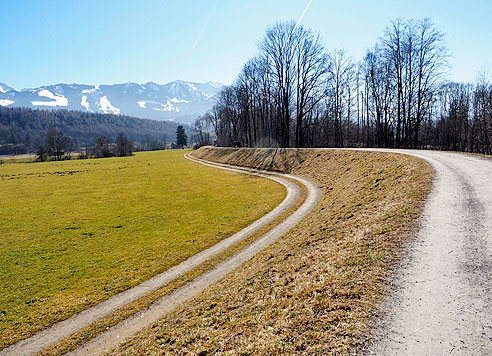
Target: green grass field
<point x="74" y="233"/>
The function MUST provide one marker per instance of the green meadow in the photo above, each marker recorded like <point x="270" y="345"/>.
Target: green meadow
<point x="74" y="233"/>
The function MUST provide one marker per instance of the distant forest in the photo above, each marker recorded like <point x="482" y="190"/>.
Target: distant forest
<point x="23" y="130"/>
<point x="295" y="93"/>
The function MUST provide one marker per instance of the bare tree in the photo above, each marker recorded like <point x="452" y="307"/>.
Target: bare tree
<point x="311" y="68"/>
<point x="431" y="64"/>
<point x="202" y="129"/>
<point x="42" y="153"/>
<point x="57" y="143"/>
<point x="338" y="99"/>
<point x="101" y="146"/>
<point x="278" y="48"/>
<point x="124" y="147"/>
<point x="381" y="94"/>
<point x="417" y="59"/>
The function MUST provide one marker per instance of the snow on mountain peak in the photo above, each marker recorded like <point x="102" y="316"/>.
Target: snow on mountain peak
<point x="5" y="88"/>
<point x="91" y="91"/>
<point x="214" y="84"/>
<point x="84" y="102"/>
<point x="107" y="107"/>
<point x="192" y="86"/>
<point x="59" y="100"/>
<point x="6" y="102"/>
<point x="179" y="100"/>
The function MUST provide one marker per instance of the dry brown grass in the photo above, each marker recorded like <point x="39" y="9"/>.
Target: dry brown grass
<point x="316" y="289"/>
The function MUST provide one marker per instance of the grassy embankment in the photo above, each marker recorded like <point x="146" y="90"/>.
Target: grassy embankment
<point x="74" y="233"/>
<point x="316" y="290"/>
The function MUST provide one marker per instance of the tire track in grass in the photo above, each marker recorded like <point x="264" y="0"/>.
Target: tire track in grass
<point x="64" y="329"/>
<point x="129" y="327"/>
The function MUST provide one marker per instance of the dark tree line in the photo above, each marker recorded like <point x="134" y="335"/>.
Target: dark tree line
<point x="295" y="93"/>
<point x="23" y="130"/>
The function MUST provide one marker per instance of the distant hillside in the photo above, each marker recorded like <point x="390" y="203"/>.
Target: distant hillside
<point x="178" y="101"/>
<point x="23" y="129"/>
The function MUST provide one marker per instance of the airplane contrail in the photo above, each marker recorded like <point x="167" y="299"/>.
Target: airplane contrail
<point x="298" y="22"/>
<point x="206" y="24"/>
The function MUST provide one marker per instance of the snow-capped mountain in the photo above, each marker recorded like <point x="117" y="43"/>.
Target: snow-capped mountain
<point x="5" y="88"/>
<point x="176" y="101"/>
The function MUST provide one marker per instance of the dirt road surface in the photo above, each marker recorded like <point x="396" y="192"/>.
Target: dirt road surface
<point x="440" y="301"/>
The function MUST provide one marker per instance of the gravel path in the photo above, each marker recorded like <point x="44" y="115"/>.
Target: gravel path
<point x="440" y="301"/>
<point x="67" y="327"/>
<point x="114" y="336"/>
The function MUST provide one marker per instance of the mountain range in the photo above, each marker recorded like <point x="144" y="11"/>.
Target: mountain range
<point x="178" y="101"/>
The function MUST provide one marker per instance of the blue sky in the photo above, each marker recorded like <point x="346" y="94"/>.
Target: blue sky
<point x="114" y="41"/>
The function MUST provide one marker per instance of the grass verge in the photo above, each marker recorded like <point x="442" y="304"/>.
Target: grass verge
<point x="315" y="290"/>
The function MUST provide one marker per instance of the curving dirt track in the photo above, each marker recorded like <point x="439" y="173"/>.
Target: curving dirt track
<point x="127" y="328"/>
<point x="59" y="331"/>
<point x="440" y="301"/>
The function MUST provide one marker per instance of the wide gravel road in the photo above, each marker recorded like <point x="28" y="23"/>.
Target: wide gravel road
<point x="440" y="302"/>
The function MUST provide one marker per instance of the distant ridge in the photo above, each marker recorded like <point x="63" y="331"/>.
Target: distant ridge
<point x="179" y="101"/>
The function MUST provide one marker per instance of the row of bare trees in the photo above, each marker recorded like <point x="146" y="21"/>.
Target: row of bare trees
<point x="464" y="118"/>
<point x="60" y="147"/>
<point x="103" y="147"/>
<point x="295" y="93"/>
